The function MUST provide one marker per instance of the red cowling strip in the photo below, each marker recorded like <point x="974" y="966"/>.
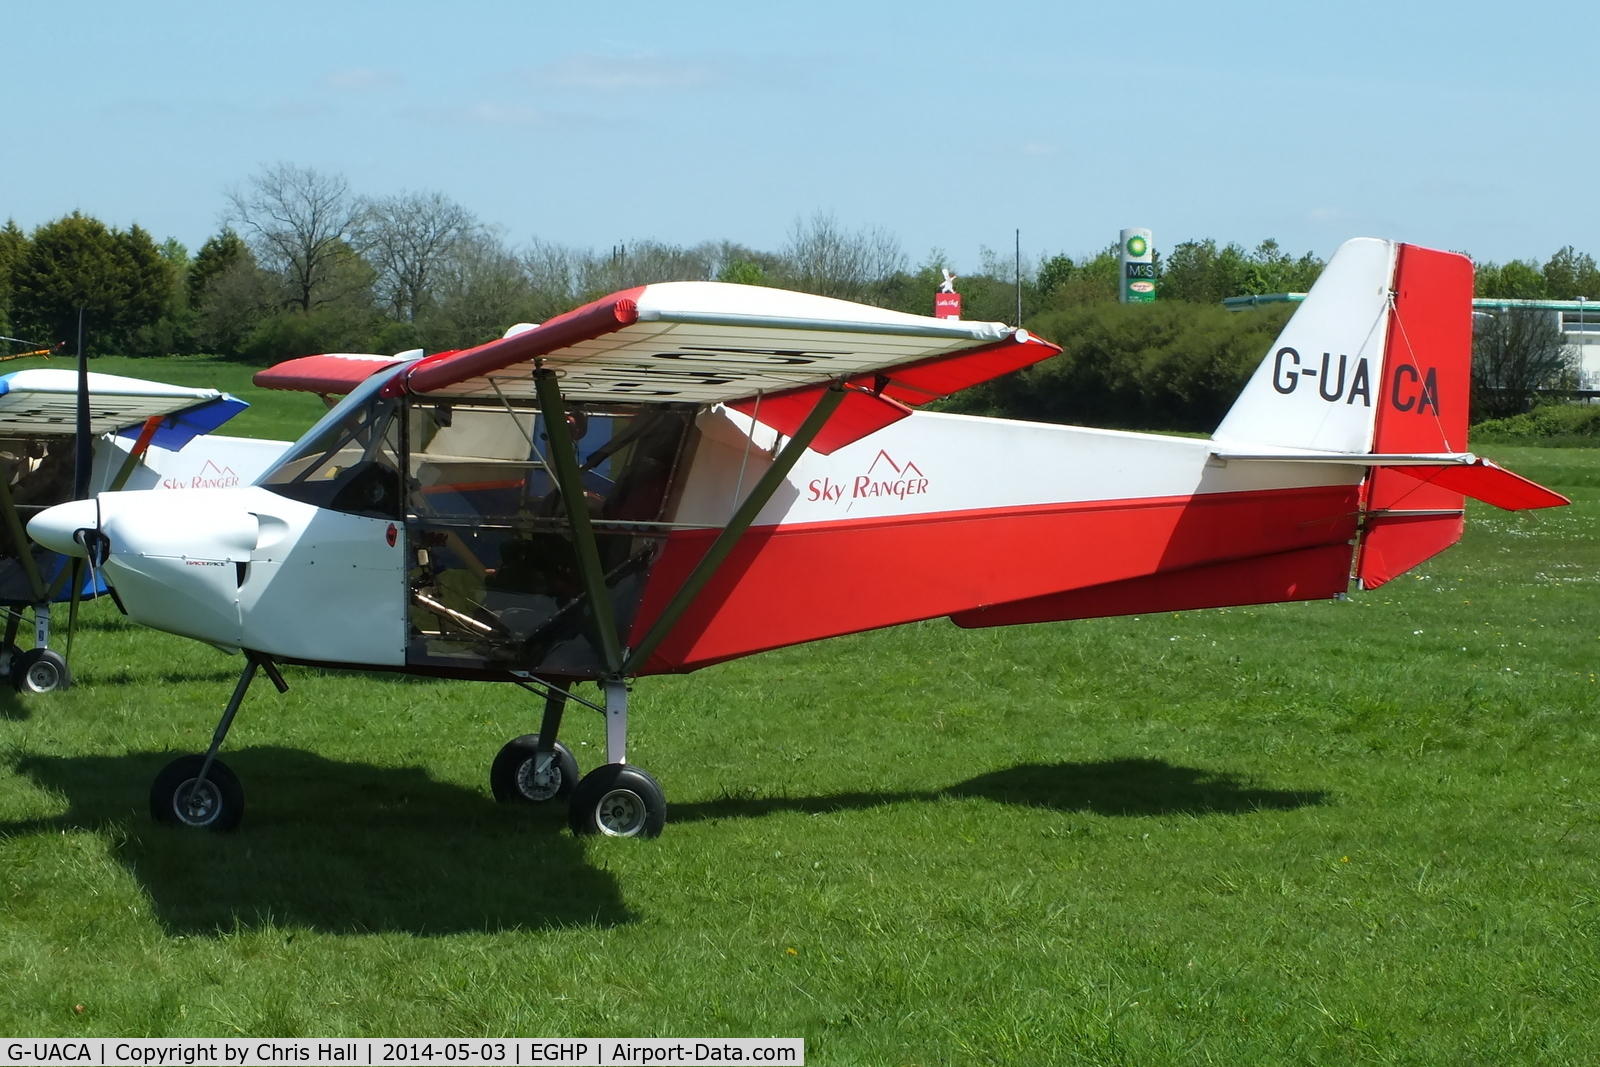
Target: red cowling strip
<point x="320" y="374"/>
<point x="1489" y="483"/>
<point x="859" y="414"/>
<point x="606" y="315"/>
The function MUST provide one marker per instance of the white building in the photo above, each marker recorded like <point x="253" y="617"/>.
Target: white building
<point x="1578" y="321"/>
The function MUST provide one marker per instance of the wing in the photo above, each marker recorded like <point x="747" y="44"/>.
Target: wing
<point x="768" y="352"/>
<point x="45" y="402"/>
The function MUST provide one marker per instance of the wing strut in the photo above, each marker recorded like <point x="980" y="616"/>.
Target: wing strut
<point x="712" y="560"/>
<point x="564" y="458"/>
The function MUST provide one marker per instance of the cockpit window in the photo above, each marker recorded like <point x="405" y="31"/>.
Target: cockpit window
<point x="349" y="461"/>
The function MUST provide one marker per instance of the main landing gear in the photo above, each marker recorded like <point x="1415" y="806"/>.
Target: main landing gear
<point x="40" y="669"/>
<point x="201" y="791"/>
<point x="615" y="799"/>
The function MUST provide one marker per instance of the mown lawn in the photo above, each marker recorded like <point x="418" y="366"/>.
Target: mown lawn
<point x="1316" y="833"/>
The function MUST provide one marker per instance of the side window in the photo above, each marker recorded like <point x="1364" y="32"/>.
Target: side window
<point x="495" y="578"/>
<point x="352" y="465"/>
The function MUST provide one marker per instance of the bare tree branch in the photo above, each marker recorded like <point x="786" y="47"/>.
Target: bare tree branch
<point x="409" y="238"/>
<point x="297" y="221"/>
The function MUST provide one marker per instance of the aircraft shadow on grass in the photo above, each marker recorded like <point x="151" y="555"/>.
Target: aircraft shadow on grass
<point x="12" y="707"/>
<point x="335" y="846"/>
<point x="1103" y="787"/>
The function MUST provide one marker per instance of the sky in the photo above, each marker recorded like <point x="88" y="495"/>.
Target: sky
<point x="1456" y="125"/>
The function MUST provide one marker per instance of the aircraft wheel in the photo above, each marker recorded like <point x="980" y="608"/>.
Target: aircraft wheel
<point x="514" y="779"/>
<point x="617" y="800"/>
<point x="218" y="806"/>
<point x="40" y="670"/>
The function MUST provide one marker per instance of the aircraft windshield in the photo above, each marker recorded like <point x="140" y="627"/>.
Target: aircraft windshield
<point x="349" y="461"/>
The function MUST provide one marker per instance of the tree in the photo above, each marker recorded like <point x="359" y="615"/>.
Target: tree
<point x="823" y="258"/>
<point x="1515" y="353"/>
<point x="13" y="245"/>
<point x="485" y="288"/>
<point x="1202" y="273"/>
<point x="1571" y="274"/>
<point x="1054" y="273"/>
<point x="237" y="297"/>
<point x="216" y="256"/>
<point x="743" y="272"/>
<point x="118" y="278"/>
<point x="1519" y="279"/>
<point x="408" y="238"/>
<point x="299" y="222"/>
<point x="1171" y="365"/>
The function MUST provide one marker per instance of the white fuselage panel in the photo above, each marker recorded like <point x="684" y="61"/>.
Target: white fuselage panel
<point x="249" y="568"/>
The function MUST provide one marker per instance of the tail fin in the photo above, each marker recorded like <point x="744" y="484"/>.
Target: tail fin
<point x="1378" y="361"/>
<point x="1318" y="387"/>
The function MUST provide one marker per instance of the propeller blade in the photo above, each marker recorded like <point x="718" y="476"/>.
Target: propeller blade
<point x="85" y="458"/>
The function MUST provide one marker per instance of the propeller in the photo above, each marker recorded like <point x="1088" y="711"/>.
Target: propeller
<point x="82" y="472"/>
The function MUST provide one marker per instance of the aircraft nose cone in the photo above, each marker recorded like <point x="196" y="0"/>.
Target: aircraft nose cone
<point x="54" y="527"/>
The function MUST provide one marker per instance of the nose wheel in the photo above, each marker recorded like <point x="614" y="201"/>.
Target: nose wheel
<point x="179" y="797"/>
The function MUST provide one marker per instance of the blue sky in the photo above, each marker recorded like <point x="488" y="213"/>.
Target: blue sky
<point x="1457" y="125"/>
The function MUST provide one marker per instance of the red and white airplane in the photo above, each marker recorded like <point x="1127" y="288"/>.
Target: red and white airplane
<point x="686" y="473"/>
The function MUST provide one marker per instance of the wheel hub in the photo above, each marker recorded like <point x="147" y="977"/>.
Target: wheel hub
<point x="620" y="813"/>
<point x="536" y="784"/>
<point x="197" y="807"/>
<point x="42" y="677"/>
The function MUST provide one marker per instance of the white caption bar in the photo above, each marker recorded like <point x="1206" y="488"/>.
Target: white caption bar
<point x="338" y="1052"/>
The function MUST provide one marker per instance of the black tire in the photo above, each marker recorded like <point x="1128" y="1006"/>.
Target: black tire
<point x="16" y="654"/>
<point x="40" y="670"/>
<point x="617" y="800"/>
<point x="512" y="778"/>
<point x="222" y="803"/>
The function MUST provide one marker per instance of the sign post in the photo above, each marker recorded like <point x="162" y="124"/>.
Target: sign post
<point x="1138" y="267"/>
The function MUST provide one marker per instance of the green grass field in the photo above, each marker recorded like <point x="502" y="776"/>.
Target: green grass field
<point x="1314" y="833"/>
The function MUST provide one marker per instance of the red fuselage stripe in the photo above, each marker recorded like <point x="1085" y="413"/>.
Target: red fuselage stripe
<point x="788" y="584"/>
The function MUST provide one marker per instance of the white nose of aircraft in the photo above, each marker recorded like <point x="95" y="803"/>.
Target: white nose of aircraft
<point x="56" y="528"/>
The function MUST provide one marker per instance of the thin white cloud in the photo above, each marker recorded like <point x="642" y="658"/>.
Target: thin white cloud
<point x="1038" y="148"/>
<point x="361" y="80"/>
<point x="486" y="113"/>
<point x="620" y="74"/>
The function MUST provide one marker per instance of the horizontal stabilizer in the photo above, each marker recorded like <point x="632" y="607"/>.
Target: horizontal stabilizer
<point x="1460" y="472"/>
<point x="1489" y="483"/>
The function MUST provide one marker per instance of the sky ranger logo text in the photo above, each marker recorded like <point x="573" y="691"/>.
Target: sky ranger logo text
<point x="884" y="477"/>
<point x="211" y="476"/>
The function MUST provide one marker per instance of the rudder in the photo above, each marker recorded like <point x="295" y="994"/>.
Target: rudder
<point x="1422" y="407"/>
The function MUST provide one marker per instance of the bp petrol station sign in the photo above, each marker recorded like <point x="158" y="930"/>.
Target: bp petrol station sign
<point x="1138" y="267"/>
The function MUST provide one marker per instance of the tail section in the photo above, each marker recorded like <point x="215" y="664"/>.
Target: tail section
<point x="1377" y="365"/>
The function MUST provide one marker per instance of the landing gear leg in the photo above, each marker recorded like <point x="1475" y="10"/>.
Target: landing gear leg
<point x="8" y="647"/>
<point x="536" y="767"/>
<point x="41" y="669"/>
<point x="617" y="799"/>
<point x="201" y="791"/>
